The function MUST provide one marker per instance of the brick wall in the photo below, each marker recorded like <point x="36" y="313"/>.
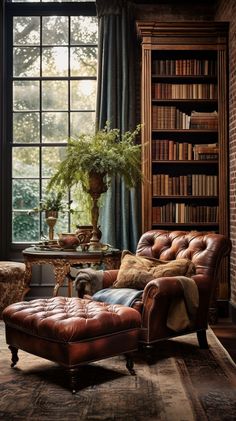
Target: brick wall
<point x="176" y="10"/>
<point x="226" y="11"/>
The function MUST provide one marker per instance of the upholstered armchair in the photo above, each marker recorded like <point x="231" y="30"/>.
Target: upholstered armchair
<point x="204" y="250"/>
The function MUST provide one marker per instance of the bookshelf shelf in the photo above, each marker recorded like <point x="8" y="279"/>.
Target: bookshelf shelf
<point x="186" y="131"/>
<point x="185" y="197"/>
<point x="187" y="225"/>
<point x="180" y="78"/>
<point x="187" y="162"/>
<point x="190" y="101"/>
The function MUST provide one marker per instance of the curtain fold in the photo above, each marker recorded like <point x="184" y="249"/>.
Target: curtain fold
<point x="116" y="102"/>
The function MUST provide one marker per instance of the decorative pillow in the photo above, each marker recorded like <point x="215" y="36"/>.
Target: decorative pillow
<point x="136" y="271"/>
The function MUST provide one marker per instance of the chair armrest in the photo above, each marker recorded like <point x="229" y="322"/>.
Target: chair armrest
<point x="166" y="286"/>
<point x="157" y="297"/>
<point x="109" y="277"/>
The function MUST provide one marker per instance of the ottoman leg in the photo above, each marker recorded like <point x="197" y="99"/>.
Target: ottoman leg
<point x="73" y="380"/>
<point x="14" y="356"/>
<point x="130" y="364"/>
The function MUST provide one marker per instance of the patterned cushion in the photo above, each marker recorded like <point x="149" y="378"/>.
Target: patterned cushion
<point x="136" y="271"/>
<point x="12" y="283"/>
<point x="11" y="270"/>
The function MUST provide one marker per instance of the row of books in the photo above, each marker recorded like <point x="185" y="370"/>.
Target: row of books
<point x="165" y="117"/>
<point x="201" y="120"/>
<point x="183" y="213"/>
<point x="184" y="91"/>
<point x="170" y="117"/>
<point x="167" y="149"/>
<point x="192" y="67"/>
<point x="206" y="152"/>
<point x="185" y="185"/>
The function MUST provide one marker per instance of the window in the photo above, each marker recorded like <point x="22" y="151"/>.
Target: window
<point x="51" y="96"/>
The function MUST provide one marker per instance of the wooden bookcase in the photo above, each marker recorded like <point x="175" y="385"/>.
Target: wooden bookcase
<point x="184" y="111"/>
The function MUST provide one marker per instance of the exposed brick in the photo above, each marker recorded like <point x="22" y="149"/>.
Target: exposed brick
<point x="226" y="11"/>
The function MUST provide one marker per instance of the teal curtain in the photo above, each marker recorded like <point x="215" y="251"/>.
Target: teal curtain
<point x="116" y="103"/>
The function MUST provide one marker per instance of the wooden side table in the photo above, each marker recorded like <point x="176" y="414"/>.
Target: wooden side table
<point x="62" y="261"/>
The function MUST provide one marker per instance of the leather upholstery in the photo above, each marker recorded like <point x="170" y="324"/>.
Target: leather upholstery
<point x="70" y="319"/>
<point x="205" y="250"/>
<point x="71" y="331"/>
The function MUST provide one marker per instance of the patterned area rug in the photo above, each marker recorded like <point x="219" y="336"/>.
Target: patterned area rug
<point x="183" y="383"/>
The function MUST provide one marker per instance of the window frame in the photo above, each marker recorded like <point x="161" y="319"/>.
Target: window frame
<point x="8" y="249"/>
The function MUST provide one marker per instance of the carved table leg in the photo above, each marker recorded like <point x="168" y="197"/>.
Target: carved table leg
<point x="14" y="355"/>
<point x="61" y="269"/>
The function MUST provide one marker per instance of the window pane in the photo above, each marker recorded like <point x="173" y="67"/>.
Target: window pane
<point x="83" y="94"/>
<point x="25" y="162"/>
<point x="82" y="123"/>
<point x="26" y="62"/>
<point x="50" y="158"/>
<point x="83" y="61"/>
<point x="55" y="95"/>
<point x="25" y="194"/>
<point x="54" y="127"/>
<point x="81" y="204"/>
<point x="26" y="30"/>
<point x="25" y="227"/>
<point x="55" y="30"/>
<point x="26" y="127"/>
<point x="84" y="30"/>
<point x="26" y="95"/>
<point x="55" y="61"/>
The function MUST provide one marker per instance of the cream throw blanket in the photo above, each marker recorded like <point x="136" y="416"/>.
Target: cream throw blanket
<point x="182" y="311"/>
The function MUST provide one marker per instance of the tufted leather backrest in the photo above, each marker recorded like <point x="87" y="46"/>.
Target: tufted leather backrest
<point x="205" y="250"/>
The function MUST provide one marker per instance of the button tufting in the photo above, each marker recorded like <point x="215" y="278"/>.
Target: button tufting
<point x="63" y="318"/>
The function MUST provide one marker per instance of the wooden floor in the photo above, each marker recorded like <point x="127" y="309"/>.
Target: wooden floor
<point x="225" y="331"/>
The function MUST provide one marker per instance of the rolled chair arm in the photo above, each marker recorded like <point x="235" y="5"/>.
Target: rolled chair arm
<point x="109" y="277"/>
<point x="167" y="286"/>
<point x="157" y="298"/>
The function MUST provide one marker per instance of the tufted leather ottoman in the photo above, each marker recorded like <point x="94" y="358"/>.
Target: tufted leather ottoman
<point x="71" y="331"/>
<point x="12" y="283"/>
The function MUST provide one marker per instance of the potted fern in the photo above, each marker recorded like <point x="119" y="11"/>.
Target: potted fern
<point x="52" y="204"/>
<point x="93" y="159"/>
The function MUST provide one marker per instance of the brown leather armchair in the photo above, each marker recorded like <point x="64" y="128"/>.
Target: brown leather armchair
<point x="206" y="251"/>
